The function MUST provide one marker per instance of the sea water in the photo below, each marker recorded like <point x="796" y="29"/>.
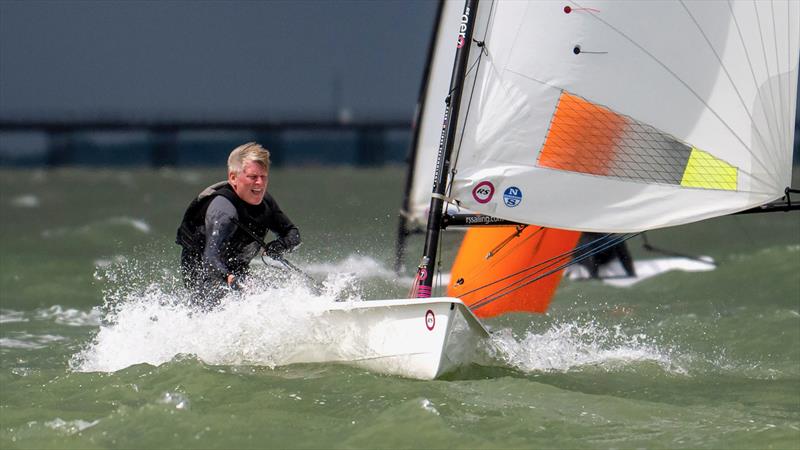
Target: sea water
<point x="99" y="349"/>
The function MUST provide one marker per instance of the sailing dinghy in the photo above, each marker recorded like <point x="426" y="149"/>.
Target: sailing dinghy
<point x="597" y="116"/>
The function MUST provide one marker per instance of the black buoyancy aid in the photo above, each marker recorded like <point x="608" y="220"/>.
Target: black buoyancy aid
<point x="191" y="232"/>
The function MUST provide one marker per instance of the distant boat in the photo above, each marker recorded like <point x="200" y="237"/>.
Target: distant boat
<point x="604" y="116"/>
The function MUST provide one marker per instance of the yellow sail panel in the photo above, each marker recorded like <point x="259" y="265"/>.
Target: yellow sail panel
<point x="705" y="171"/>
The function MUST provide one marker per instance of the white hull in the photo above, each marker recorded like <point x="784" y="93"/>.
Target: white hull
<point x="414" y="338"/>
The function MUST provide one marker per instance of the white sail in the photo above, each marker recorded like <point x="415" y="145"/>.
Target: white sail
<point x="624" y="116"/>
<point x="429" y="128"/>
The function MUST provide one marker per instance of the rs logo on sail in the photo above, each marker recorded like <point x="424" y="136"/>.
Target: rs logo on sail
<point x="483" y="192"/>
<point x="462" y="29"/>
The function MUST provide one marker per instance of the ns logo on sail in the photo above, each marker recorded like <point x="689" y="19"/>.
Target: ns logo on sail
<point x="512" y="196"/>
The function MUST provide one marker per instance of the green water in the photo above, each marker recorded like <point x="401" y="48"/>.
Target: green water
<point x="682" y="360"/>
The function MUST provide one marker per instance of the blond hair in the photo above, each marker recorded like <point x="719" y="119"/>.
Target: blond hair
<point x="246" y="153"/>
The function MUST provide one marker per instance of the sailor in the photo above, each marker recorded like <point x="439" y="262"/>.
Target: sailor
<point x="217" y="227"/>
<point x="600" y="258"/>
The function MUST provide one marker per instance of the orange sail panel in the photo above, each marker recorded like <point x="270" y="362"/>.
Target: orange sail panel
<point x="515" y="257"/>
<point x="583" y="137"/>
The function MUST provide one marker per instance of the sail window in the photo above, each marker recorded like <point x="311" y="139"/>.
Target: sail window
<point x="587" y="138"/>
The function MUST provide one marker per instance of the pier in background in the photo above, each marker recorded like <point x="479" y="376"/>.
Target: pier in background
<point x="179" y="143"/>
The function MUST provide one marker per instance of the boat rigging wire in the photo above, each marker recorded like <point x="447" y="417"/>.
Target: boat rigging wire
<point x="476" y="66"/>
<point x="562" y="256"/>
<point x="550" y="267"/>
<point x="494" y="262"/>
<point x="594" y="247"/>
<point x="517" y="233"/>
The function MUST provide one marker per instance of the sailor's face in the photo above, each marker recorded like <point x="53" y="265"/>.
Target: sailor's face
<point x="251" y="183"/>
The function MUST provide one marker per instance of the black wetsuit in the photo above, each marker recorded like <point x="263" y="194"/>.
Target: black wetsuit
<point x="618" y="251"/>
<point x="214" y="246"/>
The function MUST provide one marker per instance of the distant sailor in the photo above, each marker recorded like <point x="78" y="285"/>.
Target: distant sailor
<point x="216" y="249"/>
<point x="600" y="258"/>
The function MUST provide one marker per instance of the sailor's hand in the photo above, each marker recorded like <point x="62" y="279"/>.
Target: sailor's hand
<point x="275" y="249"/>
<point x="232" y="282"/>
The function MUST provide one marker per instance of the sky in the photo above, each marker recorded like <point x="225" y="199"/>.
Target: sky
<point x="212" y="60"/>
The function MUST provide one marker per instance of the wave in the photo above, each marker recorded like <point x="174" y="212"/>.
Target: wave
<point x="136" y="224"/>
<point x="361" y="266"/>
<point x="56" y="313"/>
<point x="70" y="427"/>
<point x="11" y="316"/>
<point x="28" y="341"/>
<point x="365" y="268"/>
<point x="569" y="346"/>
<point x="69" y="316"/>
<point x="26" y="201"/>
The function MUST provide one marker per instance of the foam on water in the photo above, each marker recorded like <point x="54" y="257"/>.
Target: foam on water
<point x="277" y="314"/>
<point x="358" y="265"/>
<point x="28" y="341"/>
<point x="11" y="316"/>
<point x="137" y="224"/>
<point x="56" y="313"/>
<point x="260" y="326"/>
<point x="26" y="201"/>
<point x="104" y="263"/>
<point x="570" y="346"/>
<point x="70" y="426"/>
<point x="69" y="316"/>
<point x="366" y="267"/>
<point x="176" y="400"/>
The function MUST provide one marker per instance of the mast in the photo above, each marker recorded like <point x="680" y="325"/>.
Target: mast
<point x="426" y="267"/>
<point x="402" y="226"/>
